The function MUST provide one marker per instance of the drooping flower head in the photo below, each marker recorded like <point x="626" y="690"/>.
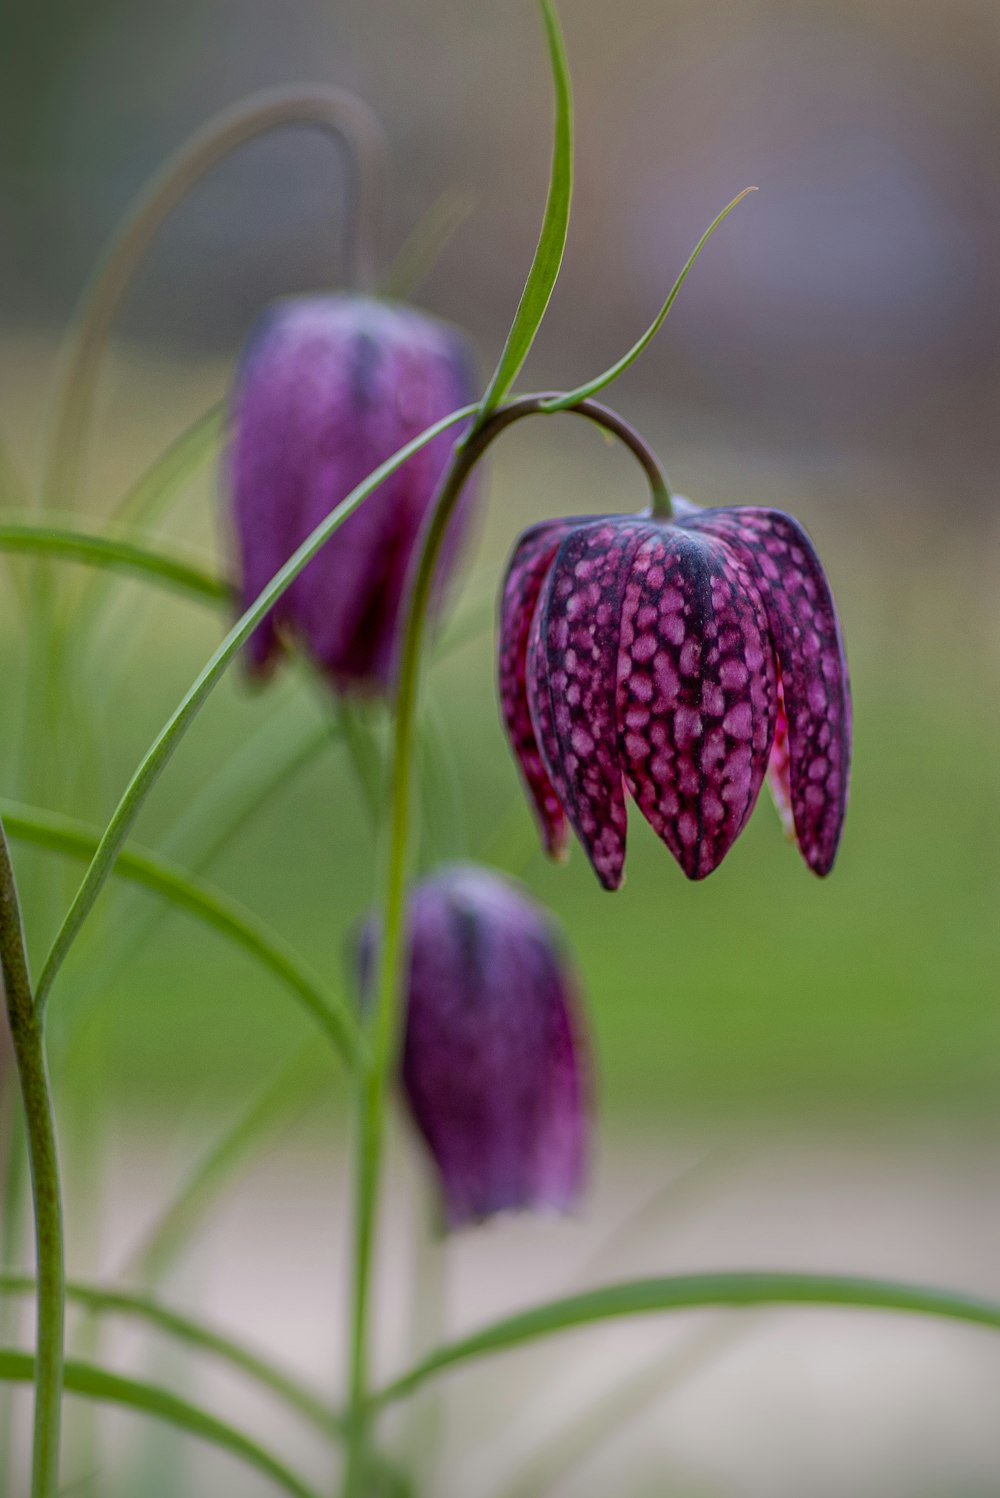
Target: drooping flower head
<point x="493" y="1066"/>
<point x="328" y="388"/>
<point x="678" y="660"/>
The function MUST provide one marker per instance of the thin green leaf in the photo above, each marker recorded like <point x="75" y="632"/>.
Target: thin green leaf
<point x="167" y="476"/>
<point x="130" y="1393"/>
<point x="583" y="392"/>
<point x="141" y="866"/>
<point x="116" y="554"/>
<point x="256" y="770"/>
<point x="552" y="240"/>
<point x="697" y="1291"/>
<point x="289" y="1094"/>
<point x="195" y="1335"/>
<point x="167" y="741"/>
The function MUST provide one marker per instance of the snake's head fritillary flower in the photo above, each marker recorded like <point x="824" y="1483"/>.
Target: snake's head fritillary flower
<point x="678" y="660"/>
<point x="494" y="1065"/>
<point x="328" y="388"/>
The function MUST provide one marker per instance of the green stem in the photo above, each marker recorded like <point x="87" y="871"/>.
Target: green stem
<point x="140" y="865"/>
<point x="26" y="1030"/>
<point x="330" y="109"/>
<point x="195" y="1336"/>
<point x="167" y="741"/>
<point x="131" y="1393"/>
<point x="384" y="1023"/>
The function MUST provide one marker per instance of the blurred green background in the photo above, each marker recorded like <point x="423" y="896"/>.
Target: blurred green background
<point x="833" y="354"/>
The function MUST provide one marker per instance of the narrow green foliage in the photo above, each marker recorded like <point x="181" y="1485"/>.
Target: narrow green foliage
<point x="167" y="741"/>
<point x="194" y="1335"/>
<point x="555" y="224"/>
<point x="115" y="554"/>
<point x="130" y="1393"/>
<point x="582" y="392"/>
<point x="693" y="1292"/>
<point x="141" y="866"/>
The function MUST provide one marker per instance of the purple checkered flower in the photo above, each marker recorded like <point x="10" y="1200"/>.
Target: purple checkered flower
<point x="494" y="1066"/>
<point x="678" y="660"/>
<point x="328" y="388"/>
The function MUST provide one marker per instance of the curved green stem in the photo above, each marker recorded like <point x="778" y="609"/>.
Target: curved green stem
<point x="131" y="1393"/>
<point x="694" y="1292"/>
<point x="195" y="1335"/>
<point x="114" y="553"/>
<point x="141" y="866"/>
<point x="29" y="1052"/>
<point x="327" y="108"/>
<point x="167" y="741"/>
<point x="466" y="455"/>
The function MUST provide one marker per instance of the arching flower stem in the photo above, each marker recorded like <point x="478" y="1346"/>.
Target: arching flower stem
<point x="385" y="1019"/>
<point x="331" y="109"/>
<point x="26" y="1028"/>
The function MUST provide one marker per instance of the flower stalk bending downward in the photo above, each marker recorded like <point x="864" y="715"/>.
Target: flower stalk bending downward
<point x="384" y="1022"/>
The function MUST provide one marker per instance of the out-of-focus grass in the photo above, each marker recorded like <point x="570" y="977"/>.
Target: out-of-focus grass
<point x="760" y="991"/>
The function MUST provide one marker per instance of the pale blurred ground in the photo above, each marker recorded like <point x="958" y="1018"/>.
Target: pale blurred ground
<point x="770" y="1404"/>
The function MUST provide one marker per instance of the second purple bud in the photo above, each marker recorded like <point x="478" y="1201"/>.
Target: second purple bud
<point x="494" y="1063"/>
<point x="328" y="388"/>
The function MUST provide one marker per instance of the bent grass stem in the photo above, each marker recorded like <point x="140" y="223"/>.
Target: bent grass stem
<point x="27" y="1034"/>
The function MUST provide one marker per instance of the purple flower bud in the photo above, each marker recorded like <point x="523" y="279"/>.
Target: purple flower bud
<point x="328" y="388"/>
<point x="678" y="660"/>
<point x="494" y="1067"/>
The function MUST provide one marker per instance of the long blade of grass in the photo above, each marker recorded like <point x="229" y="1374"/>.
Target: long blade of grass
<point x="141" y="866"/>
<point x="582" y="392"/>
<point x="130" y="1393"/>
<point x="552" y="240"/>
<point x="214" y="818"/>
<point x="195" y="1335"/>
<point x="697" y="1291"/>
<point x="116" y="554"/>
<point x="167" y="741"/>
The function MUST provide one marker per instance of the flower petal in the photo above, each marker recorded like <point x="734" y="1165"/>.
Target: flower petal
<point x="493" y="1063"/>
<point x="526" y="572"/>
<point x="696" y="694"/>
<point x="572" y="661"/>
<point x="777" y="770"/>
<point x="803" y="621"/>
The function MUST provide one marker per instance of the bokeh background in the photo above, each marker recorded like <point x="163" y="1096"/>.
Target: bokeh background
<point x="824" y="1057"/>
